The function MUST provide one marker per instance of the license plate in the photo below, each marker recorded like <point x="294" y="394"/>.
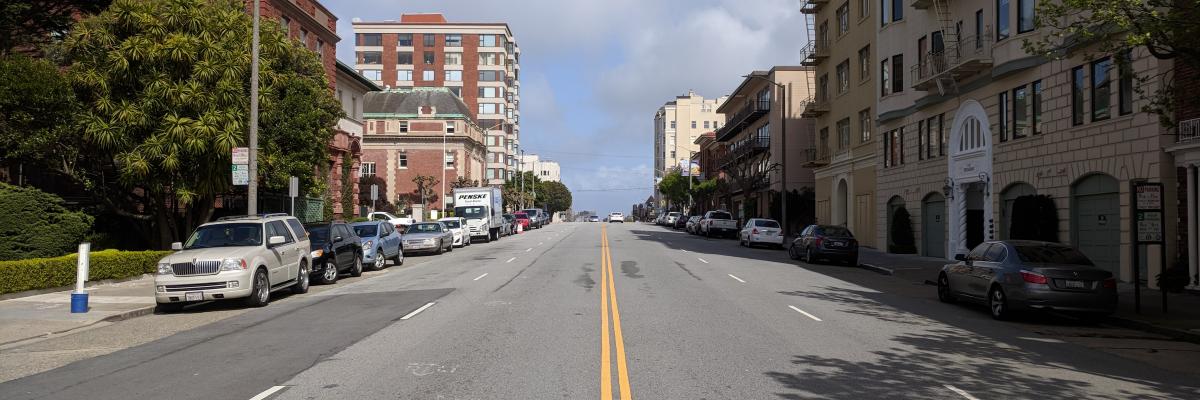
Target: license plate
<point x="836" y="244"/>
<point x="1074" y="284"/>
<point x="193" y="296"/>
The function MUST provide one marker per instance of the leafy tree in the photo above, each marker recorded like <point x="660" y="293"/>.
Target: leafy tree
<point x="29" y="24"/>
<point x="424" y="191"/>
<point x="1166" y="28"/>
<point x="165" y="98"/>
<point x="35" y="224"/>
<point x="36" y="112"/>
<point x="674" y="187"/>
<point x="514" y="196"/>
<point x="464" y="182"/>
<point x="554" y="196"/>
<point x="347" y="187"/>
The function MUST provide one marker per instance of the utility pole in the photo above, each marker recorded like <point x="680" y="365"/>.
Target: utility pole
<point x="252" y="189"/>
<point x="443" y="170"/>
<point x="783" y="206"/>
<point x="521" y="172"/>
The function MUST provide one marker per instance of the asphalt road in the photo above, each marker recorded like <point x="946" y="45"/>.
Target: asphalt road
<point x="678" y="316"/>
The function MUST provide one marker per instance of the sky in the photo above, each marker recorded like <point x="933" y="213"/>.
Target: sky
<point x="593" y="72"/>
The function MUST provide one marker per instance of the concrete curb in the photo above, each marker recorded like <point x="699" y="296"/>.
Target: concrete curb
<point x="877" y="269"/>
<point x="124" y="315"/>
<point x="35" y="292"/>
<point x="1177" y="334"/>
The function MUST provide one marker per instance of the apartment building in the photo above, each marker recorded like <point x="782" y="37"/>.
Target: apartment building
<point x="546" y="170"/>
<point x="478" y="62"/>
<point x="842" y="54"/>
<point x="765" y="136"/>
<point x="677" y="124"/>
<point x="420" y="132"/>
<point x="971" y="124"/>
<point x="1186" y="154"/>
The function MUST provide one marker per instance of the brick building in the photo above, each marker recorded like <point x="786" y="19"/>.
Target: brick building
<point x="420" y="132"/>
<point x="478" y="62"/>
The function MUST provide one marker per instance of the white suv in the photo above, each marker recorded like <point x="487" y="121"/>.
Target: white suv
<point x="616" y="217"/>
<point x="235" y="257"/>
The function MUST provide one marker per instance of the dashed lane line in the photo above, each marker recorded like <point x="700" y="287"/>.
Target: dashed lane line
<point x="267" y="393"/>
<point x="417" y="311"/>
<point x="480" y="277"/>
<point x="961" y="392"/>
<point x="808" y="315"/>
<point x="702" y="260"/>
<point x="510" y="260"/>
<point x="736" y="278"/>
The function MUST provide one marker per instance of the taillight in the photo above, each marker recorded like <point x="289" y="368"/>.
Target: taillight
<point x="754" y="231"/>
<point x="818" y="241"/>
<point x="1110" y="283"/>
<point x="1033" y="277"/>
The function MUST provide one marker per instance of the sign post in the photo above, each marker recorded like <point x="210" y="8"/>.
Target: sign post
<point x="374" y="195"/>
<point x="240" y="171"/>
<point x="1148" y="229"/>
<point x="293" y="191"/>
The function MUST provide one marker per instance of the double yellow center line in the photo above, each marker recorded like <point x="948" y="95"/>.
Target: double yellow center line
<point x="608" y="294"/>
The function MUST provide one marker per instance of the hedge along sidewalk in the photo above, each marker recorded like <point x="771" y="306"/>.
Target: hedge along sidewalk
<point x="57" y="272"/>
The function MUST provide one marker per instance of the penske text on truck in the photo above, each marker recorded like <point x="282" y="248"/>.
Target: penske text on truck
<point x="483" y="208"/>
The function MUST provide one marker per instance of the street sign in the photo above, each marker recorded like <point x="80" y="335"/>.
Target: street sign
<point x="293" y="187"/>
<point x="1149" y="197"/>
<point x="241" y="174"/>
<point x="241" y="155"/>
<point x="1149" y="227"/>
<point x="374" y="192"/>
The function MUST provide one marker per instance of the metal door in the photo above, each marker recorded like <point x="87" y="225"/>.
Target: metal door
<point x="933" y="227"/>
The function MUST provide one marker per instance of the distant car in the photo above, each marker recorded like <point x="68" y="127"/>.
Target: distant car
<point x="428" y="237"/>
<point x="380" y="242"/>
<point x="616" y="217"/>
<point x="510" y="225"/>
<point x="537" y="217"/>
<point x="1017" y="275"/>
<point x="831" y="242"/>
<point x="761" y="231"/>
<point x="242" y="257"/>
<point x="335" y="250"/>
<point x="389" y="217"/>
<point x="680" y="222"/>
<point x="594" y="218"/>
<point x="693" y="222"/>
<point x="459" y="228"/>
<point x="523" y="220"/>
<point x="669" y="221"/>
<point x="719" y="223"/>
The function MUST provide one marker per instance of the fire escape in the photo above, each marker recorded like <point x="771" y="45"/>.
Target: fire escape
<point x="813" y="54"/>
<point x="952" y="57"/>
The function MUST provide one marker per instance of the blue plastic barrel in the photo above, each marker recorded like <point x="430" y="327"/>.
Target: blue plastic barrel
<point x="79" y="303"/>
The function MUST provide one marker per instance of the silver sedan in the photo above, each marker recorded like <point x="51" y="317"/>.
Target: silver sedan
<point x="428" y="237"/>
<point x="1017" y="275"/>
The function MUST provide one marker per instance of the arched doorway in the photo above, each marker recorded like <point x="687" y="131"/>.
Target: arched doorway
<point x="970" y="178"/>
<point x="841" y="206"/>
<point x="933" y="226"/>
<point x="1007" y="198"/>
<point x="1095" y="220"/>
<point x="898" y="244"/>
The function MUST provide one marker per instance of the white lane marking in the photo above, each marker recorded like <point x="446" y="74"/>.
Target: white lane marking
<point x="510" y="260"/>
<point x="736" y="278"/>
<point x="540" y="243"/>
<point x="267" y="393"/>
<point x="480" y="277"/>
<point x="527" y="250"/>
<point x="684" y="250"/>
<point x="961" y="392"/>
<point x="417" y="311"/>
<point x="808" y="315"/>
<point x="702" y="260"/>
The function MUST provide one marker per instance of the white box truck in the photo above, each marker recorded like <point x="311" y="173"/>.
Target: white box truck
<point x="483" y="208"/>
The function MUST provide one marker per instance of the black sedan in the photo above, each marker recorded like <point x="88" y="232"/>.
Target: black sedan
<point x="830" y="242"/>
<point x="335" y="250"/>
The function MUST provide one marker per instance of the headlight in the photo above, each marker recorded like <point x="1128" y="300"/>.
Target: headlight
<point x="233" y="264"/>
<point x="427" y="241"/>
<point x="366" y="246"/>
<point x="317" y="253"/>
<point x="165" y="269"/>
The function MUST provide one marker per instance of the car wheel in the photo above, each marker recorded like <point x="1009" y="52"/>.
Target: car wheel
<point x="330" y="275"/>
<point x="808" y="257"/>
<point x="357" y="268"/>
<point x="943" y="289"/>
<point x="260" y="293"/>
<point x="380" y="260"/>
<point x="301" y="286"/>
<point x="792" y="253"/>
<point x="998" y="304"/>
<point x="399" y="258"/>
<point x="166" y="308"/>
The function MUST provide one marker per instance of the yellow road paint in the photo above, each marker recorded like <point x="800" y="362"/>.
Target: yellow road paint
<point x="608" y="294"/>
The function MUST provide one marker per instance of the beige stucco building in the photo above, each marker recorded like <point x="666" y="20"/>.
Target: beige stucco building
<point x="969" y="122"/>
<point x="677" y="124"/>
<point x="545" y="170"/>
<point x="844" y="163"/>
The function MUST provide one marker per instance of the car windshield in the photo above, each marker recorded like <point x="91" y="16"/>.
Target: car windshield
<point x="318" y="234"/>
<point x="425" y="228"/>
<point x="471" y="212"/>
<point x="720" y="215"/>
<point x="366" y="230"/>
<point x="530" y="212"/>
<point x="766" y="223"/>
<point x="1051" y="254"/>
<point x="452" y="223"/>
<point x="834" y="231"/>
<point x="225" y="235"/>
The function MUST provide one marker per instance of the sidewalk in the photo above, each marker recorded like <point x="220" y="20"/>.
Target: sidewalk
<point x="1182" y="321"/>
<point x="43" y="315"/>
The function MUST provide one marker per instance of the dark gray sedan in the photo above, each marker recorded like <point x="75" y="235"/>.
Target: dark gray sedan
<point x="428" y="237"/>
<point x="1017" y="275"/>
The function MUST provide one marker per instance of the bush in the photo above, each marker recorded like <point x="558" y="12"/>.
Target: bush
<point x="903" y="241"/>
<point x="34" y="224"/>
<point x="42" y="273"/>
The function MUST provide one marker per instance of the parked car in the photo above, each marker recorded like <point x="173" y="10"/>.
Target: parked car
<point x="761" y="231"/>
<point x="428" y="237"/>
<point x="523" y="220"/>
<point x="244" y="257"/>
<point x="594" y="218"/>
<point x="616" y="217"/>
<point x="1017" y="275"/>
<point x="537" y="217"/>
<point x="510" y="225"/>
<point x="669" y="221"/>
<point x="389" y="217"/>
<point x="718" y="222"/>
<point x="459" y="228"/>
<point x="380" y="242"/>
<point x="831" y="242"/>
<point x="335" y="250"/>
<point x="692" y="223"/>
<point x="680" y="222"/>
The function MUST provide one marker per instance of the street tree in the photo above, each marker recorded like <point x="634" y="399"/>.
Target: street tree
<point x="165" y="99"/>
<point x="674" y="187"/>
<point x="1167" y="29"/>
<point x="37" y="109"/>
<point x="554" y="196"/>
<point x="31" y="24"/>
<point x="749" y="175"/>
<point x="464" y="182"/>
<point x="424" y="191"/>
<point x="519" y="190"/>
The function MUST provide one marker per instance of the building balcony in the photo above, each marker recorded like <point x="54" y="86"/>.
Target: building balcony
<point x="814" y="107"/>
<point x="814" y="53"/>
<point x="752" y="111"/>
<point x="958" y="60"/>
<point x="815" y="159"/>
<point x="1189" y="131"/>
<point x="742" y="150"/>
<point x="812" y="6"/>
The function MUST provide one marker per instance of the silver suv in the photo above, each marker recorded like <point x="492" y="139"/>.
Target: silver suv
<point x="235" y="257"/>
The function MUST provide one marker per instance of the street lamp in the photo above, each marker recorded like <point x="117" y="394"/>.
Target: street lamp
<point x="252" y="188"/>
<point x="783" y="143"/>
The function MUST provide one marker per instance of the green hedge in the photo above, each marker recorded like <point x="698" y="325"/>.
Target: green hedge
<point x="42" y="273"/>
<point x="34" y="223"/>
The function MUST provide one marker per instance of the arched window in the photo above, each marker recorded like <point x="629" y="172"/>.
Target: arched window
<point x="971" y="136"/>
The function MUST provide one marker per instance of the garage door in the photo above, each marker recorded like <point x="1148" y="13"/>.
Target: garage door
<point x="1096" y="219"/>
<point x="933" y="227"/>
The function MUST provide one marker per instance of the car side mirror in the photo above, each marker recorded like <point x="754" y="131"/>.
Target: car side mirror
<point x="337" y="238"/>
<point x="276" y="240"/>
<point x="177" y="246"/>
<point x="961" y="257"/>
